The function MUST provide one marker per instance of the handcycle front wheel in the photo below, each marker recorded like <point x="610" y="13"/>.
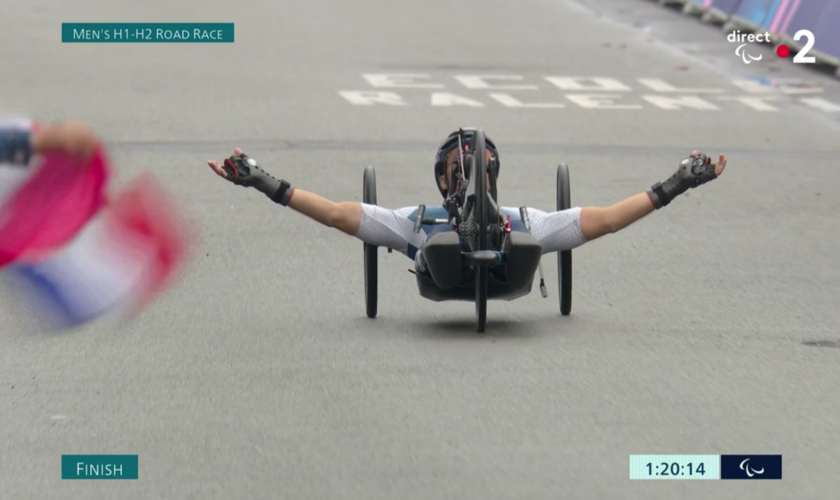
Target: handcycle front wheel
<point x="370" y="251"/>
<point x="482" y="273"/>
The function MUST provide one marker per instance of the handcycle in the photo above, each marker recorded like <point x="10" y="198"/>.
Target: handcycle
<point x="473" y="212"/>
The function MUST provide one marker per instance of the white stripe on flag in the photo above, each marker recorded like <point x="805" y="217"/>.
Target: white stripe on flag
<point x="100" y="273"/>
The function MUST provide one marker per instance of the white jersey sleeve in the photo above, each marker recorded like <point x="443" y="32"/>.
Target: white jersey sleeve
<point x="388" y="228"/>
<point x="556" y="231"/>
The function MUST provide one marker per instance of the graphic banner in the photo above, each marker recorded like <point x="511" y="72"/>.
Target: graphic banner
<point x="727" y="7"/>
<point x="762" y="13"/>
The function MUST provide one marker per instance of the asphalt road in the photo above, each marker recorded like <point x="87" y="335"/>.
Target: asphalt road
<point x="258" y="376"/>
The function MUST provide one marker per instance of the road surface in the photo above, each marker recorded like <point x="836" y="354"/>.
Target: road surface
<point x="258" y="376"/>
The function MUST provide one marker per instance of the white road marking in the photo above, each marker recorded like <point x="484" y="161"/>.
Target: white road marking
<point x="753" y="87"/>
<point x="447" y="99"/>
<point x="578" y="84"/>
<point x="821" y="104"/>
<point x="369" y="98"/>
<point x="512" y="102"/>
<point x="786" y="86"/>
<point x="755" y="102"/>
<point x="676" y="103"/>
<point x="588" y="92"/>
<point x="479" y="82"/>
<point x="665" y="87"/>
<point x="400" y="81"/>
<point x="600" y="101"/>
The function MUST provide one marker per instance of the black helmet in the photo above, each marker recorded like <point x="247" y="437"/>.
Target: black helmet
<point x="451" y="143"/>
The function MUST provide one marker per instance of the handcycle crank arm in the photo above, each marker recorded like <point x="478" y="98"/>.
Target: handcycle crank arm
<point x="421" y="211"/>
<point x="421" y="221"/>
<point x="494" y="208"/>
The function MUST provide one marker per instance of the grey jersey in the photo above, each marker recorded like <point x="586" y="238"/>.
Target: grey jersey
<point x="555" y="231"/>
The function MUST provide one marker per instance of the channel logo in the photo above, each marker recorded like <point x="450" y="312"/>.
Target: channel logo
<point x="783" y="51"/>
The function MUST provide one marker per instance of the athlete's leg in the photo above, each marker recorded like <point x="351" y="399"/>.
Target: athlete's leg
<point x="599" y="221"/>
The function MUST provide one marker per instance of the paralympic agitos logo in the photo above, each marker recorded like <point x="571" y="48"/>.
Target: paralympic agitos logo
<point x="745" y="39"/>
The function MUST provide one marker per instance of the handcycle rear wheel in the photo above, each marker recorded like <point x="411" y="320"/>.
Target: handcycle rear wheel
<point x="370" y="251"/>
<point x="482" y="273"/>
<point x="564" y="258"/>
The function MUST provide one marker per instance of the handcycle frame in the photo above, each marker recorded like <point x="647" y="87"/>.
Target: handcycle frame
<point x="517" y="250"/>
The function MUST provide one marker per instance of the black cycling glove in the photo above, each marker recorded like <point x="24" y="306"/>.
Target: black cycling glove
<point x="693" y="171"/>
<point x="244" y="171"/>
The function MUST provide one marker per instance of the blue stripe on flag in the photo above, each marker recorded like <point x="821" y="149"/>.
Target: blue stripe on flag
<point x="47" y="292"/>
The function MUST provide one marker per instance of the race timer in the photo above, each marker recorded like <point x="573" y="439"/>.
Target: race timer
<point x="675" y="467"/>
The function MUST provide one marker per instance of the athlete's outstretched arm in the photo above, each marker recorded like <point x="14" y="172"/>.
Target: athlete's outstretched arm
<point x="599" y="221"/>
<point x="73" y="137"/>
<point x="344" y="216"/>
<point x="19" y="139"/>
<point x="372" y="224"/>
<point x="568" y="229"/>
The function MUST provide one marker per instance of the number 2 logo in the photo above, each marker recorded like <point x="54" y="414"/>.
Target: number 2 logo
<point x="801" y="57"/>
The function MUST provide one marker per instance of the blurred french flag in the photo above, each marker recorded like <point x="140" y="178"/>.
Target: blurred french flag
<point x="77" y="255"/>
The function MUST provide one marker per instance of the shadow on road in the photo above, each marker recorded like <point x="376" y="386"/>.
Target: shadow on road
<point x="464" y="328"/>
